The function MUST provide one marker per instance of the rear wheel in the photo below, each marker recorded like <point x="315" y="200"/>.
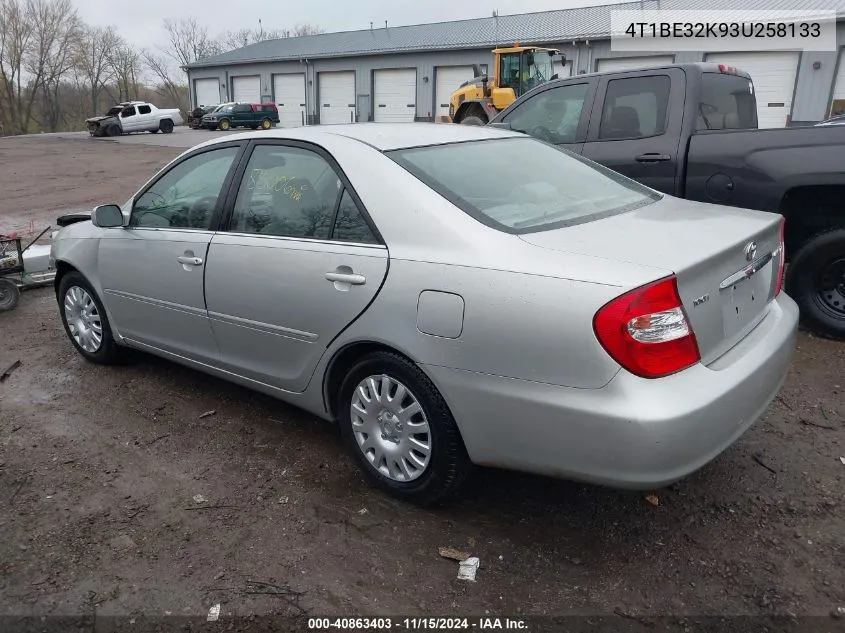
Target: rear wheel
<point x="400" y="431"/>
<point x="166" y="126"/>
<point x="224" y="124"/>
<point x="10" y="294"/>
<point x="473" y="120"/>
<point x="816" y="280"/>
<point x="266" y="124"/>
<point x="85" y="321"/>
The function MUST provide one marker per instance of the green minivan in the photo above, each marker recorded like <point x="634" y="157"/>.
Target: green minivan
<point x="251" y="115"/>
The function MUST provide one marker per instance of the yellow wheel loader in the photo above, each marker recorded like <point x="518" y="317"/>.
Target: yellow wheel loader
<point x="518" y="69"/>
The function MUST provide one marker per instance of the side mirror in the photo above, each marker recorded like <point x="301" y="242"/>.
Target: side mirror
<point x="107" y="216"/>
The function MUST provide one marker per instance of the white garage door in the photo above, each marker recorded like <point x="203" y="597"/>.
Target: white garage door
<point x="337" y="97"/>
<point x="838" y="104"/>
<point x="206" y="92"/>
<point x="563" y="70"/>
<point x="629" y="63"/>
<point x="395" y="95"/>
<point x="247" y="89"/>
<point x="773" y="76"/>
<point x="447" y="80"/>
<point x="289" y="93"/>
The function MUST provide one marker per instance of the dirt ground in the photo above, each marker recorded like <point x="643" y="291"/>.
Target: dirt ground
<point x="100" y="468"/>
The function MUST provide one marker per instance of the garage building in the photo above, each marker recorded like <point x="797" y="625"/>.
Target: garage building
<point x="407" y="73"/>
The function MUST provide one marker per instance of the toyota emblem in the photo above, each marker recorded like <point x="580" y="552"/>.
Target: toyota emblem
<point x="750" y="251"/>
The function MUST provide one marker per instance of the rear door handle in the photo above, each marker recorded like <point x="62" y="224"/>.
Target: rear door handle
<point x="189" y="261"/>
<point x="347" y="278"/>
<point x="653" y="158"/>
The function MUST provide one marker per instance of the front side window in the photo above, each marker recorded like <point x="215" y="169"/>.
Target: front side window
<point x="287" y="191"/>
<point x="543" y="188"/>
<point x="510" y="71"/>
<point x="553" y="115"/>
<point x="186" y="196"/>
<point x="635" y="107"/>
<point x="127" y="111"/>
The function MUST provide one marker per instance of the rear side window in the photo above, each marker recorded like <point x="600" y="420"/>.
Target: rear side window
<point x="519" y="184"/>
<point x="144" y="109"/>
<point x="635" y="107"/>
<point x="726" y="102"/>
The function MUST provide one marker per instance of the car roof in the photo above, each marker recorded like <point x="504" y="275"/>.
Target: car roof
<point x="384" y="136"/>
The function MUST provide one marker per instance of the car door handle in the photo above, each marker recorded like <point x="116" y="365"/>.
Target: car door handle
<point x="347" y="278"/>
<point x="653" y="158"/>
<point x="189" y="261"/>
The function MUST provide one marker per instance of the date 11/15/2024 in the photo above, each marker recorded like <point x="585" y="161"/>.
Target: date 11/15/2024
<point x="417" y="624"/>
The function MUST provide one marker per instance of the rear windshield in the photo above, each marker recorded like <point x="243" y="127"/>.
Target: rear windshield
<point x="727" y="102"/>
<point x="520" y="185"/>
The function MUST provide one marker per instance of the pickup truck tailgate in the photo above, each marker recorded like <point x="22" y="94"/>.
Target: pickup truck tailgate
<point x="726" y="260"/>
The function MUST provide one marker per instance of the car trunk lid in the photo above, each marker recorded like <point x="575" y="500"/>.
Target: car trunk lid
<point x="726" y="260"/>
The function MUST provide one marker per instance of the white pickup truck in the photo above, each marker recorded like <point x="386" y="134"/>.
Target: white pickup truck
<point x="134" y="116"/>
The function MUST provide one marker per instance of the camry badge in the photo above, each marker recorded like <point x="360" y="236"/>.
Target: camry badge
<point x="750" y="251"/>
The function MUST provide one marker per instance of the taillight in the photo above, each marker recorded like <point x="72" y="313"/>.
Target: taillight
<point x="646" y="330"/>
<point x="781" y="258"/>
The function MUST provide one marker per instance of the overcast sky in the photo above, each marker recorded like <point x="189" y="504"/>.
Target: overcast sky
<point x="140" y="22"/>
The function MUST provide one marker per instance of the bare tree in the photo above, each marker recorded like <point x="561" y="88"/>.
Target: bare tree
<point x="162" y="71"/>
<point x="95" y="61"/>
<point x="126" y="65"/>
<point x="303" y="29"/>
<point x="188" y="41"/>
<point x="57" y="36"/>
<point x="231" y="40"/>
<point x="16" y="34"/>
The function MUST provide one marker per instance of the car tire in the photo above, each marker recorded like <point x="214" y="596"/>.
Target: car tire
<point x="266" y="124"/>
<point x="815" y="279"/>
<point x="166" y="126"/>
<point x="112" y="130"/>
<point x="224" y="124"/>
<point x="473" y="120"/>
<point x="10" y="294"/>
<point x="447" y="464"/>
<point x="107" y="352"/>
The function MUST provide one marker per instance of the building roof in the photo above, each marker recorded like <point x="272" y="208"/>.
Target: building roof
<point x="525" y="28"/>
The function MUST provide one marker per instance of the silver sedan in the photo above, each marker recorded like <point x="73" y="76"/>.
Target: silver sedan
<point x="449" y="295"/>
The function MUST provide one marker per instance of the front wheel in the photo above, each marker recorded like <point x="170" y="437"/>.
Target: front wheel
<point x="400" y="431"/>
<point x="10" y="294"/>
<point x="816" y="280"/>
<point x="85" y="321"/>
<point x="224" y="125"/>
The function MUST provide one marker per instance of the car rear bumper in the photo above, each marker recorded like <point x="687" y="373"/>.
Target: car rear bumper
<point x="633" y="432"/>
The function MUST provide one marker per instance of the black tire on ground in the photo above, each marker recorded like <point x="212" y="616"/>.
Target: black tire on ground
<point x="10" y="294"/>
<point x="113" y="130"/>
<point x="449" y="463"/>
<point x="109" y="352"/>
<point x="815" y="278"/>
<point x="166" y="126"/>
<point x="473" y="120"/>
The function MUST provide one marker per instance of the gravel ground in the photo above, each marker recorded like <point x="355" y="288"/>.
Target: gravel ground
<point x="150" y="488"/>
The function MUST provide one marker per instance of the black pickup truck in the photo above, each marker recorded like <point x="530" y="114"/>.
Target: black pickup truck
<point x="690" y="130"/>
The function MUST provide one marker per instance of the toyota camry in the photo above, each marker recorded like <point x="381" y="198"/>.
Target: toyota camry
<point x="449" y="295"/>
